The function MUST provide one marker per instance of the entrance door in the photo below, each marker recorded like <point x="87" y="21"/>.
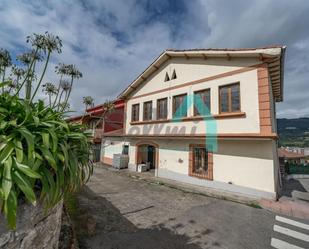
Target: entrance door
<point x="151" y="151"/>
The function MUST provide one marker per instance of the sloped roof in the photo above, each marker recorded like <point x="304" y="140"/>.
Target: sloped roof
<point x="289" y="154"/>
<point x="273" y="55"/>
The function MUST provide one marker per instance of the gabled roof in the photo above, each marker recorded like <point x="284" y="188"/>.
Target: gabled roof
<point x="273" y="55"/>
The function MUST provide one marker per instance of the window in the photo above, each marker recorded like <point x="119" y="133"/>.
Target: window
<point x="200" y="164"/>
<point x="202" y="103"/>
<point x="147" y="111"/>
<point x="229" y="98"/>
<point x="180" y="106"/>
<point x="125" y="150"/>
<point x="174" y="76"/>
<point x="162" y="108"/>
<point x="135" y="113"/>
<point x="167" y="78"/>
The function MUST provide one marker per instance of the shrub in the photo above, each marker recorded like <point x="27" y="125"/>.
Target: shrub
<point x="41" y="155"/>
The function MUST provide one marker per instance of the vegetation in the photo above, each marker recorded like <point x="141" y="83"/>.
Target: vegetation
<point x="293" y="132"/>
<point x="296" y="169"/>
<point x="88" y="102"/>
<point x="41" y="155"/>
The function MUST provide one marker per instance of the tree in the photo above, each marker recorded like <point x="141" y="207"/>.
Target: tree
<point x="88" y="102"/>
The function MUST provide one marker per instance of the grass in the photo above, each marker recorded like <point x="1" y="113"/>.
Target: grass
<point x="254" y="205"/>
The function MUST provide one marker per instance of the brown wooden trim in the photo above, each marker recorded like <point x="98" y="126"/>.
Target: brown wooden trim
<point x="194" y="118"/>
<point x="209" y="174"/>
<point x="264" y="99"/>
<point x="195" y="110"/>
<point x="145" y="113"/>
<point x="190" y="83"/>
<point x="165" y="99"/>
<point x="107" y="160"/>
<point x="230" y="85"/>
<point x="205" y="136"/>
<point x="146" y="142"/>
<point x="174" y="107"/>
<point x="132" y="108"/>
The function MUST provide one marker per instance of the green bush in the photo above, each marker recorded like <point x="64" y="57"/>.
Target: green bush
<point x="41" y="155"/>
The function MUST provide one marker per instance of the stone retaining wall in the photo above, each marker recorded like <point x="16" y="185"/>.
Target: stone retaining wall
<point x="35" y="228"/>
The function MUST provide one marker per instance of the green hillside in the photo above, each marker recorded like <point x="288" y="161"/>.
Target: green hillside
<point x="293" y="132"/>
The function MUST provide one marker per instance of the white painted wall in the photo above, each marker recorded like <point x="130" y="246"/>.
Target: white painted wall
<point x="111" y="146"/>
<point x="194" y="69"/>
<point x="243" y="166"/>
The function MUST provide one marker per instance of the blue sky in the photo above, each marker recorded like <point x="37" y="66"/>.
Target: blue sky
<point x="113" y="41"/>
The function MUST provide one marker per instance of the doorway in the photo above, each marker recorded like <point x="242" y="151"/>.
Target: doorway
<point x="147" y="154"/>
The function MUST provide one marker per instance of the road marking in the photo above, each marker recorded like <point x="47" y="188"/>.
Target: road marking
<point x="291" y="233"/>
<point x="280" y="244"/>
<point x="292" y="222"/>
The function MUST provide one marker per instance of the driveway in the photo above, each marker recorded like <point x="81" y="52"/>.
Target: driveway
<point x="115" y="211"/>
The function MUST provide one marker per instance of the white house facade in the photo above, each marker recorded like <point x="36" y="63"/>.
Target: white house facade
<point x="206" y="117"/>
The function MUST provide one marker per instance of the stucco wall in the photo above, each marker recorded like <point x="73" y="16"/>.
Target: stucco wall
<point x="239" y="166"/>
<point x="109" y="147"/>
<point x="194" y="69"/>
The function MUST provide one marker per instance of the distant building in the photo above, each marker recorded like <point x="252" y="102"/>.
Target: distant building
<point x="291" y="156"/>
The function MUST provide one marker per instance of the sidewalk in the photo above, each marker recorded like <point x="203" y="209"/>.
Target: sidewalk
<point x="294" y="199"/>
<point x="287" y="206"/>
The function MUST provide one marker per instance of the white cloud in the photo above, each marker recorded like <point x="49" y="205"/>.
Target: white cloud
<point x="113" y="41"/>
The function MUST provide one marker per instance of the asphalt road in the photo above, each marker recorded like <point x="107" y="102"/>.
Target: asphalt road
<point x="119" y="212"/>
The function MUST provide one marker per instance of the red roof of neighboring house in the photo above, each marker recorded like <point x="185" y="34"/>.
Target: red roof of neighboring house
<point x="283" y="153"/>
<point x="114" y="133"/>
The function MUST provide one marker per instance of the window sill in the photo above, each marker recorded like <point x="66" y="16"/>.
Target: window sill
<point x="195" y="118"/>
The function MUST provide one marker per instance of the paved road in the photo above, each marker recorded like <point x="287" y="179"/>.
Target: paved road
<point x="120" y="212"/>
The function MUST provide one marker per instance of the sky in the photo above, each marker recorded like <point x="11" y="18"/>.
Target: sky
<point x="113" y="41"/>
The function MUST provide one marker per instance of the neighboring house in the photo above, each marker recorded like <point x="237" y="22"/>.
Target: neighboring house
<point x="206" y="117"/>
<point x="292" y="157"/>
<point x="97" y="121"/>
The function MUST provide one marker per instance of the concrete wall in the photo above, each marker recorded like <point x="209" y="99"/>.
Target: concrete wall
<point x="194" y="69"/>
<point x="245" y="167"/>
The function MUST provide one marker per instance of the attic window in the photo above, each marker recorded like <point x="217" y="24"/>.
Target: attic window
<point x="174" y="76"/>
<point x="167" y="78"/>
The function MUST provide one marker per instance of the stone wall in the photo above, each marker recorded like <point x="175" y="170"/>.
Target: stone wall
<point x="36" y="229"/>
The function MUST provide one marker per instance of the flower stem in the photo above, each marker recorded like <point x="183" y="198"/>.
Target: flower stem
<point x="43" y="73"/>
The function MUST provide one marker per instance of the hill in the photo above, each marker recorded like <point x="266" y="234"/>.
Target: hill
<point x="293" y="132"/>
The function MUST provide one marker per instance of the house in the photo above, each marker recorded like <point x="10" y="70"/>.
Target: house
<point x="98" y="121"/>
<point x="291" y="157"/>
<point x="206" y="117"/>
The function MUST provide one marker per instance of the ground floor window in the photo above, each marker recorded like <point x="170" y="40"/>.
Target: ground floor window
<point x="125" y="150"/>
<point x="200" y="162"/>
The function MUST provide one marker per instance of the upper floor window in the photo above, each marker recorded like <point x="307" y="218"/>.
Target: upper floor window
<point x="229" y="98"/>
<point x="202" y="103"/>
<point x="162" y="108"/>
<point x="180" y="106"/>
<point x="147" y="111"/>
<point x="135" y="113"/>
